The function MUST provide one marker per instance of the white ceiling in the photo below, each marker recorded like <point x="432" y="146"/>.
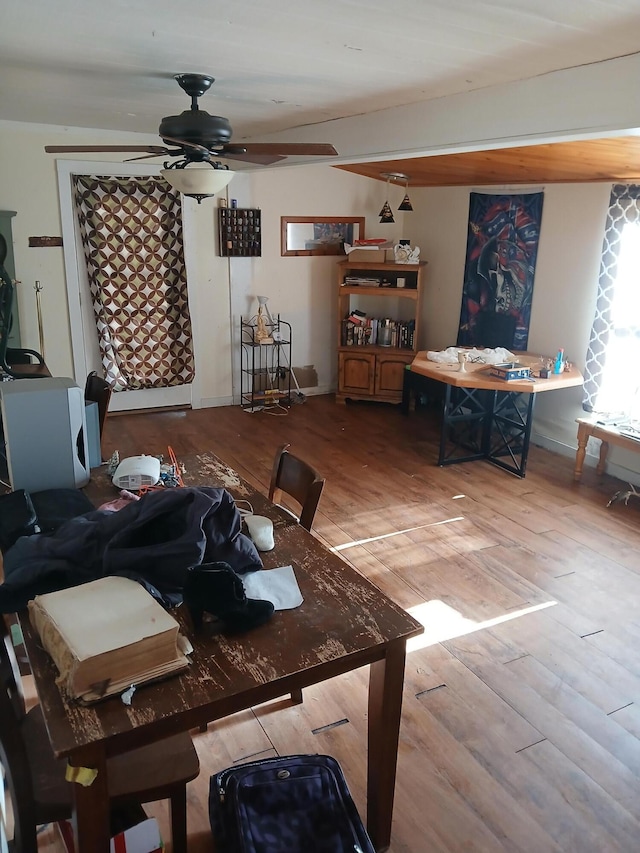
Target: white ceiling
<point x="284" y="64"/>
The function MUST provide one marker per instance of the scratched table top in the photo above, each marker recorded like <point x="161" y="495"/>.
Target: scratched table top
<point x="344" y="622"/>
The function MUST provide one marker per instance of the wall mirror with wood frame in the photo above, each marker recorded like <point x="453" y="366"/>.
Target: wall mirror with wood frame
<point x="319" y="235"/>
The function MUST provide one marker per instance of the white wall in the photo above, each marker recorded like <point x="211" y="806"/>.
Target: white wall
<point x="303" y="290"/>
<point x="564" y="292"/>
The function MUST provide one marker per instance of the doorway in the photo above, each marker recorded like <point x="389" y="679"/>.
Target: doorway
<point x="88" y="354"/>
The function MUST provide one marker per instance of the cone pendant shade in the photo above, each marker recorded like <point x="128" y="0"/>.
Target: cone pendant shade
<point x="386" y="214"/>
<point x="396" y="177"/>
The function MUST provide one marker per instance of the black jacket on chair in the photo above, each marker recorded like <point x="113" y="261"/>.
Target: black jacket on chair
<point x="155" y="540"/>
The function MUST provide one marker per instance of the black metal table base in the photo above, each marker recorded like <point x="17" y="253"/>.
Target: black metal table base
<point x="491" y="425"/>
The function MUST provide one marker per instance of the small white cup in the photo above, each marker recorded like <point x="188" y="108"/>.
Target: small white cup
<point x="462" y="360"/>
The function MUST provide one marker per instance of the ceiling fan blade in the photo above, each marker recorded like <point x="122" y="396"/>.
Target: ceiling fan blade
<point x="165" y="153"/>
<point x="90" y="149"/>
<point x="259" y="159"/>
<point x="184" y="144"/>
<point x="319" y="149"/>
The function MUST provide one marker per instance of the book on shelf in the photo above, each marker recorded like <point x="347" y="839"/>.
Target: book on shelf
<point x="356" y="316"/>
<point x="107" y="635"/>
<point x="370" y="331"/>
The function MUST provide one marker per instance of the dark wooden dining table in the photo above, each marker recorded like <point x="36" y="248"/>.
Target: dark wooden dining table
<point x="344" y="622"/>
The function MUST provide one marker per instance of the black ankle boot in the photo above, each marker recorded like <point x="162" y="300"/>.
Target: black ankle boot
<point x="216" y="589"/>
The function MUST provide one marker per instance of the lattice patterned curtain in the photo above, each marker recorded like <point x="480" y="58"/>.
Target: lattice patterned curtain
<point x="131" y="230"/>
<point x="614" y="347"/>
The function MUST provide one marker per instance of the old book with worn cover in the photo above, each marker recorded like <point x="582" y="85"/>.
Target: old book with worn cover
<point x="107" y="635"/>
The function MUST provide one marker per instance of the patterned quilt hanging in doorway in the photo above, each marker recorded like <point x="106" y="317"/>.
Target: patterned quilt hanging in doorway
<point x="131" y="231"/>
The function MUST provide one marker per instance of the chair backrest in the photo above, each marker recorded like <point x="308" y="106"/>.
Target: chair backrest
<point x="494" y="329"/>
<point x="10" y="679"/>
<point x="19" y="824"/>
<point x="97" y="390"/>
<point x="299" y="480"/>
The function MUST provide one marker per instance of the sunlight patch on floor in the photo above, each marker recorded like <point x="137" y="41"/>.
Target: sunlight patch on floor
<point x="354" y="544"/>
<point x="443" y="622"/>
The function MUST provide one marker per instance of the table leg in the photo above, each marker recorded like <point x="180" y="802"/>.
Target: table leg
<point x="386" y="679"/>
<point x="91" y="806"/>
<point x="583" y="438"/>
<point x="442" y="453"/>
<point x="510" y="425"/>
<point x="407" y="388"/>
<point x="602" y="461"/>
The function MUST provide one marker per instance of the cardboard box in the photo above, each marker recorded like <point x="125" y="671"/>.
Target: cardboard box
<point x="510" y="370"/>
<point x="144" y="837"/>
<point x="372" y="256"/>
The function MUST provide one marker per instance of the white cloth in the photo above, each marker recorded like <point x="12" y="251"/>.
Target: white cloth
<point x="279" y="586"/>
<point x="498" y="355"/>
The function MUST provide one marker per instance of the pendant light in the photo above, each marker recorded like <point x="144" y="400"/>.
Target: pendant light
<point x="406" y="201"/>
<point x="398" y="177"/>
<point x="386" y="214"/>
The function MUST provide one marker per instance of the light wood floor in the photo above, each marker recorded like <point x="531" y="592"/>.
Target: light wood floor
<point x="521" y="709"/>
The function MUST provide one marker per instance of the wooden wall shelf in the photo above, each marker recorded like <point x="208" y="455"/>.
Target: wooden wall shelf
<point x="240" y="232"/>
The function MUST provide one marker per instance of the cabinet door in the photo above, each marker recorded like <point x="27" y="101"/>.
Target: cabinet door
<point x="356" y="373"/>
<point x="390" y="375"/>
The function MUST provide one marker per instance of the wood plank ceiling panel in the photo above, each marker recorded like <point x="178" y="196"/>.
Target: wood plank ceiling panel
<point x="614" y="159"/>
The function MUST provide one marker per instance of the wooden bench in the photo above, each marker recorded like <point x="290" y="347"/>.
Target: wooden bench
<point x="608" y="435"/>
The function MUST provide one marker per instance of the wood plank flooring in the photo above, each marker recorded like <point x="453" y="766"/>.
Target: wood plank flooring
<point x="521" y="709"/>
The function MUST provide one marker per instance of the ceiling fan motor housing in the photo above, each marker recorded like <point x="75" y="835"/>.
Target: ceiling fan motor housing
<point x="196" y="127"/>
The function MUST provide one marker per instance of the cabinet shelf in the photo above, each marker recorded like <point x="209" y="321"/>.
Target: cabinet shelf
<point x="385" y="267"/>
<point x="370" y="371"/>
<point x="402" y="292"/>
<point x="373" y="348"/>
<point x="270" y="344"/>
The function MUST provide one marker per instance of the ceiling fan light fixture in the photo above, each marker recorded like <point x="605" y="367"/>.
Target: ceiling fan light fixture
<point x="198" y="182"/>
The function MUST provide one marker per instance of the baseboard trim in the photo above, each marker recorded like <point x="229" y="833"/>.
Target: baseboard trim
<point x="590" y="460"/>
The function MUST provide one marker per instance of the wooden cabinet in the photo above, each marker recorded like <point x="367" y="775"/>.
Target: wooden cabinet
<point x="381" y="338"/>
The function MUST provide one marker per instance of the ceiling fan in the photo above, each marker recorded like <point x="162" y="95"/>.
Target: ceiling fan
<point x="198" y="137"/>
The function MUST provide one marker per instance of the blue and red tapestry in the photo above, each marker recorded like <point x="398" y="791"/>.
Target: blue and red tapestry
<point x="502" y="247"/>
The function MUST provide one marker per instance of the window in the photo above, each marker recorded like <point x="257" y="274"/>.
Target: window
<point x="612" y="382"/>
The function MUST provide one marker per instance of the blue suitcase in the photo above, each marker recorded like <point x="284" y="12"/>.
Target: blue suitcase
<point x="291" y="804"/>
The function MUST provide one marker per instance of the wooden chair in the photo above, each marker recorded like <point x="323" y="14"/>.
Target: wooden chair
<point x="299" y="480"/>
<point x="97" y="390"/>
<point x="495" y="329"/>
<point x="35" y="780"/>
<point x="304" y="484"/>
